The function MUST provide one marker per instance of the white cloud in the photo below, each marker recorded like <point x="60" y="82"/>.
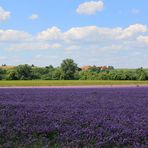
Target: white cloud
<point x="33" y="17"/>
<point x="89" y="38"/>
<point x="28" y="46"/>
<point x="55" y="46"/>
<point x="79" y="43"/>
<point x="143" y="39"/>
<point x="13" y="35"/>
<point x="32" y="46"/>
<point x="4" y="15"/>
<point x="53" y="33"/>
<point x="72" y="47"/>
<point x="132" y="30"/>
<point x="95" y="34"/>
<point x="90" y="8"/>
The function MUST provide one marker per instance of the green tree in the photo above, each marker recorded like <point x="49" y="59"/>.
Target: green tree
<point x="44" y="73"/>
<point x="24" y="72"/>
<point x="88" y="75"/>
<point x="11" y="75"/>
<point x="94" y="69"/>
<point x="57" y="74"/>
<point x="68" y="69"/>
<point x="141" y="74"/>
<point x="103" y="76"/>
<point x="2" y="73"/>
<point x="110" y="68"/>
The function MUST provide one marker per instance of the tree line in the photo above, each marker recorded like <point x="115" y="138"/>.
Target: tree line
<point x="69" y="70"/>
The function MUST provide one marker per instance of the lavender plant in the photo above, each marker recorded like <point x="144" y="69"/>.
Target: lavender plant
<point x="88" y="117"/>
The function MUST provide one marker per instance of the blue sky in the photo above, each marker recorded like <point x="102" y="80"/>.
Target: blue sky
<point x="44" y="32"/>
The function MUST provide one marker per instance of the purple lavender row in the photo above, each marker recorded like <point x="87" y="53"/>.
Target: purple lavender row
<point x="88" y="117"/>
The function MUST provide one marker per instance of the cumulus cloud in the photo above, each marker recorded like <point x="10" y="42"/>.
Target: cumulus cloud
<point x="53" y="33"/>
<point x="89" y="38"/>
<point x="143" y="39"/>
<point x="34" y="17"/>
<point x="90" y="8"/>
<point x="89" y="42"/>
<point x="4" y="15"/>
<point x="88" y="34"/>
<point x="96" y="34"/>
<point x="132" y="30"/>
<point x="13" y="35"/>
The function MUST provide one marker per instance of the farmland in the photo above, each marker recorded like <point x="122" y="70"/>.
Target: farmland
<point x="11" y="83"/>
<point x="73" y="117"/>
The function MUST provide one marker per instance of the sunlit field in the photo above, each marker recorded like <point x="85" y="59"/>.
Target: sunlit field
<point x="69" y="83"/>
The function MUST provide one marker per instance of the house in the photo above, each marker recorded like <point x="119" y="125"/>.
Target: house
<point x="85" y="68"/>
<point x="103" y="67"/>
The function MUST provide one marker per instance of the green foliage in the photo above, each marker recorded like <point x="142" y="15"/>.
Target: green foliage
<point x="57" y="74"/>
<point x="94" y="69"/>
<point x="24" y="72"/>
<point x="122" y="75"/>
<point x="88" y="75"/>
<point x="11" y="75"/>
<point x="103" y="76"/>
<point x="68" y="68"/>
<point x="141" y="74"/>
<point x="2" y="73"/>
<point x="110" y="67"/>
<point x="42" y="73"/>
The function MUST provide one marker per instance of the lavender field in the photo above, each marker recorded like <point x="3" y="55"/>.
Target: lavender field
<point x="74" y="117"/>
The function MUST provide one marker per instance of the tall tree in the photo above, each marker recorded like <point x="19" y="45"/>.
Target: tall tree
<point x="68" y="68"/>
<point x="24" y="72"/>
<point x="141" y="74"/>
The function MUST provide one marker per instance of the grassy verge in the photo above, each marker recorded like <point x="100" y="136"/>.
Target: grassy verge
<point x="69" y="83"/>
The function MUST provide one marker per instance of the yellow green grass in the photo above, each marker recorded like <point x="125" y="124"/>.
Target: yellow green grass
<point x="68" y="83"/>
<point x="7" y="67"/>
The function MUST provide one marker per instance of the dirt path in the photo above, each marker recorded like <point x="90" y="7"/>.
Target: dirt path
<point x="88" y="86"/>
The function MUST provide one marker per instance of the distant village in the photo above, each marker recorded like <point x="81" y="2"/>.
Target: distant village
<point x="84" y="68"/>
